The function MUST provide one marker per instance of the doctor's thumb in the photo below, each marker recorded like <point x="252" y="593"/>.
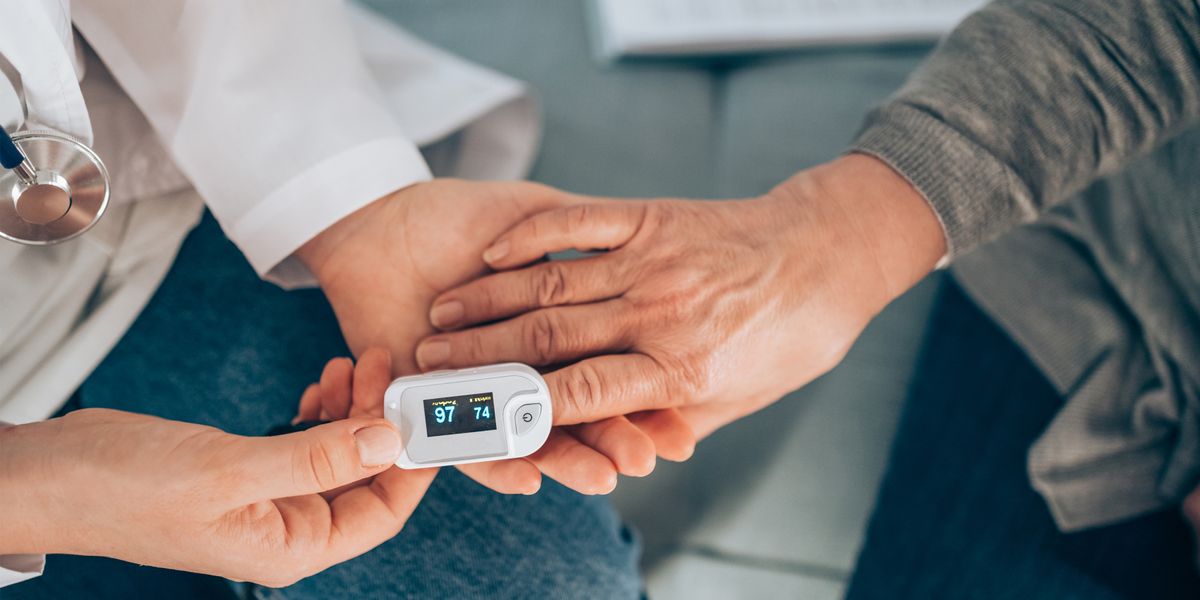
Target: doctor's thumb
<point x="322" y="458"/>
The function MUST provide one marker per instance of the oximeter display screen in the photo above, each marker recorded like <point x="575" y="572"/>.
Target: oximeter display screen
<point x="460" y="414"/>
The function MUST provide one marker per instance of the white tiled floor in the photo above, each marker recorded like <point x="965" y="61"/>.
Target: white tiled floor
<point x="776" y="505"/>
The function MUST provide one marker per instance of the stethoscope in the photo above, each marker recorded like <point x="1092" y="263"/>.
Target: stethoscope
<point x="54" y="187"/>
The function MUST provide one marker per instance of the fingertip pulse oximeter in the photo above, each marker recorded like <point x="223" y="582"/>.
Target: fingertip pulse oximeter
<point x="469" y="415"/>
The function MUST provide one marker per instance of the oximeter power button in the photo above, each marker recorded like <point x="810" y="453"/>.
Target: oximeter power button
<point x="527" y="417"/>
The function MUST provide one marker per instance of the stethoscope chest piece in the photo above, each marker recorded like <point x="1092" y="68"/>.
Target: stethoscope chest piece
<point x="60" y="199"/>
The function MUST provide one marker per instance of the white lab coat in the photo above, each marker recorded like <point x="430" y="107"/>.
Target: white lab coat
<point x="258" y="109"/>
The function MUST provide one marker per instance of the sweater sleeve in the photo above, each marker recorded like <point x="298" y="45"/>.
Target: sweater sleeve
<point x="1028" y="101"/>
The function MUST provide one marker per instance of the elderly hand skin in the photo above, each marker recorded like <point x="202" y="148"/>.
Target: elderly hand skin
<point x="189" y="497"/>
<point x="713" y="308"/>
<point x="381" y="268"/>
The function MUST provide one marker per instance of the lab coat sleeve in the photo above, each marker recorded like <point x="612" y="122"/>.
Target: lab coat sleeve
<point x="266" y="106"/>
<point x="15" y="568"/>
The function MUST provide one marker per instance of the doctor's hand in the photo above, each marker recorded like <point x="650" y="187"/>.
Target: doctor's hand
<point x="712" y="308"/>
<point x="381" y="268"/>
<point x="189" y="497"/>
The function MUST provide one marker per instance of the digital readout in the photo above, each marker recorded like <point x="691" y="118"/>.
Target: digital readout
<point x="460" y="414"/>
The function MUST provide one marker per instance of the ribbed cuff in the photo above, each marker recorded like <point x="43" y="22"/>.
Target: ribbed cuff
<point x="975" y="196"/>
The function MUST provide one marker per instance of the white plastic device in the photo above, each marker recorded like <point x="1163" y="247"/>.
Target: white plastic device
<point x="469" y="415"/>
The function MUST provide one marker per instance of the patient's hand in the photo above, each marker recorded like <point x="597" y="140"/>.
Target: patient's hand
<point x="715" y="308"/>
<point x="382" y="267"/>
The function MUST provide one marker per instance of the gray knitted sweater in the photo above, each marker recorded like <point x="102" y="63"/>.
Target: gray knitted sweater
<point x="1081" y="114"/>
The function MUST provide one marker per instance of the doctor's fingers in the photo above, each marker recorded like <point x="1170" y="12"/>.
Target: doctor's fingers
<point x="353" y="522"/>
<point x="633" y="441"/>
<point x="553" y="283"/>
<point x="514" y="476"/>
<point x="627" y="446"/>
<point x="542" y="337"/>
<point x="310" y="404"/>
<point x="372" y="376"/>
<point x="563" y="458"/>
<point x="320" y="459"/>
<point x="336" y="381"/>
<point x="669" y="430"/>
<point x="347" y="389"/>
<point x="574" y="464"/>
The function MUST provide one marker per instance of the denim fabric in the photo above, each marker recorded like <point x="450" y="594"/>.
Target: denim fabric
<point x="217" y="346"/>
<point x="956" y="516"/>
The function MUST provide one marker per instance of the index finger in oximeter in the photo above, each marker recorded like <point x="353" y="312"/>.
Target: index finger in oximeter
<point x="469" y="415"/>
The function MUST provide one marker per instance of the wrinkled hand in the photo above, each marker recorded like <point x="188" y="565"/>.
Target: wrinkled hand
<point x="189" y="497"/>
<point x="714" y="308"/>
<point x="382" y="267"/>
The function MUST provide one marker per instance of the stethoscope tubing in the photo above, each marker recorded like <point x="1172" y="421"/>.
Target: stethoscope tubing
<point x="11" y="156"/>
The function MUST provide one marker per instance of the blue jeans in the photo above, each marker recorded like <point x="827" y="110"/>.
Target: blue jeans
<point x="956" y="516"/>
<point x="218" y="346"/>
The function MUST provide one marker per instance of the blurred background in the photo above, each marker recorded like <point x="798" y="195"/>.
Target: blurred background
<point x="725" y="99"/>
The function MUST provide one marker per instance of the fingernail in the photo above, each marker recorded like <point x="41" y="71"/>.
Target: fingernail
<point x="433" y="354"/>
<point x="609" y="485"/>
<point x="498" y="251"/>
<point x="377" y="445"/>
<point x="446" y="314"/>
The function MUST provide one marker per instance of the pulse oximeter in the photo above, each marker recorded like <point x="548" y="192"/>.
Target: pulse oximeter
<point x="469" y="415"/>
